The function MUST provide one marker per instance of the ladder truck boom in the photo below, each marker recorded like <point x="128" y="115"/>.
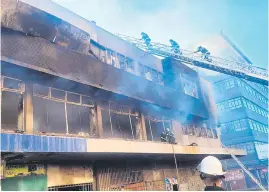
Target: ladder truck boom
<point x="246" y="170"/>
<point x="245" y="71"/>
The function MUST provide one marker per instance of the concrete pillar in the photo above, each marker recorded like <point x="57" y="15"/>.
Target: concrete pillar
<point x="99" y="121"/>
<point x="93" y="123"/>
<point x="143" y="128"/>
<point x="138" y="127"/>
<point x="28" y="108"/>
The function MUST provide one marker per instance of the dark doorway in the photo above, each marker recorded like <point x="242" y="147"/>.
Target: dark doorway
<point x="175" y="187"/>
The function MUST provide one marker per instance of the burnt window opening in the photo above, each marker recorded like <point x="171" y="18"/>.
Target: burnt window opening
<point x="13" y="84"/>
<point x="41" y="90"/>
<point x="62" y="112"/>
<point x="184" y="129"/>
<point x="117" y="121"/>
<point x="79" y="119"/>
<point x="49" y="116"/>
<point x="189" y="86"/>
<point x="12" y="111"/>
<point x="191" y="130"/>
<point x="106" y="123"/>
<point x="154" y="75"/>
<point x="148" y="130"/>
<point x="209" y="133"/>
<point x="215" y="135"/>
<point x="118" y="125"/>
<point x="87" y="101"/>
<point x="58" y="94"/>
<point x="203" y="132"/>
<point x="198" y="131"/>
<point x="104" y="105"/>
<point x="156" y="127"/>
<point x="73" y="97"/>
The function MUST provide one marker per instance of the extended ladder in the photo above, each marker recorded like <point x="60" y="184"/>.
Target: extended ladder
<point x="248" y="72"/>
<point x="245" y="169"/>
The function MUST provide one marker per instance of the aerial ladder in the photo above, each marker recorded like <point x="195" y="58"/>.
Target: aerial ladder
<point x="246" y="170"/>
<point x="234" y="68"/>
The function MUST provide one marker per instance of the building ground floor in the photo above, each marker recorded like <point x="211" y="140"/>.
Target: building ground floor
<point x="55" y="173"/>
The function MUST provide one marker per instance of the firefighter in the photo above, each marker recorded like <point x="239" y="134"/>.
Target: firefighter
<point x="211" y="172"/>
<point x="168" y="136"/>
<point x="146" y="39"/>
<point x="204" y="51"/>
<point x="175" y="47"/>
<point x="164" y="136"/>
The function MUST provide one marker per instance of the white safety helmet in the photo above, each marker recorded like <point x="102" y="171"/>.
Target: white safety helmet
<point x="211" y="166"/>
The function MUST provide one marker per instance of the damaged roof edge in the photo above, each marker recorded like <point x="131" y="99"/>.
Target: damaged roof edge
<point x="58" y="61"/>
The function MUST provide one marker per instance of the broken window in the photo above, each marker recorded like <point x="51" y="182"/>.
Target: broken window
<point x="191" y="130"/>
<point x="154" y="75"/>
<point x="215" y="135"/>
<point x="184" y="129"/>
<point x="11" y="111"/>
<point x="189" y="87"/>
<point x="61" y="112"/>
<point x="160" y="77"/>
<point x="103" y="55"/>
<point x="148" y="130"/>
<point x="49" y="116"/>
<point x="87" y="101"/>
<point x="126" y="63"/>
<point x="41" y="90"/>
<point x="147" y="72"/>
<point x="198" y="131"/>
<point x="106" y="123"/>
<point x="122" y="61"/>
<point x="78" y="119"/>
<point x="141" y="69"/>
<point x="203" y="132"/>
<point x="73" y="97"/>
<point x="58" y="94"/>
<point x="129" y="64"/>
<point x="12" y="84"/>
<point x="111" y="57"/>
<point x="12" y="104"/>
<point x="209" y="133"/>
<point x="155" y="128"/>
<point x="117" y="121"/>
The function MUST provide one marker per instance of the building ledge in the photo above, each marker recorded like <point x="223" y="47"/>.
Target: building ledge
<point x="112" y="147"/>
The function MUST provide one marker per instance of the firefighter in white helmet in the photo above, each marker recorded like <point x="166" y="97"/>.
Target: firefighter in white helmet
<point x="211" y="172"/>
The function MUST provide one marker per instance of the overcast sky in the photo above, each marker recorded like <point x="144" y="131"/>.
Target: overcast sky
<point x="245" y="22"/>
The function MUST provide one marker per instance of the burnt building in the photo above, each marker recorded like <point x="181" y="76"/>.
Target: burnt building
<point x="82" y="109"/>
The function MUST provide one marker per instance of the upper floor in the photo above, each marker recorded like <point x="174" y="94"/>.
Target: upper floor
<point x="42" y="113"/>
<point x="60" y="106"/>
<point x="56" y="24"/>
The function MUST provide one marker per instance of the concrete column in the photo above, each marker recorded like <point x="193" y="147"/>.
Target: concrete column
<point x="143" y="128"/>
<point x="99" y="121"/>
<point x="139" y="134"/>
<point x="28" y="108"/>
<point x="93" y="123"/>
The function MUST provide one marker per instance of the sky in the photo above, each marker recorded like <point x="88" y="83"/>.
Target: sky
<point x="188" y="22"/>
